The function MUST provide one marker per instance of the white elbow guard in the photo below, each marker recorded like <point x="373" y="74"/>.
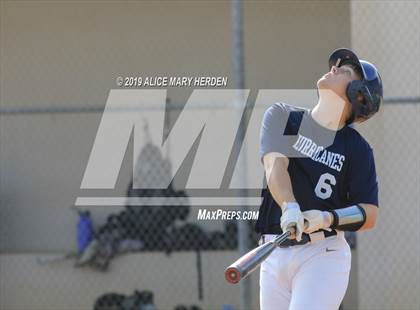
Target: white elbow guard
<point x="350" y="218"/>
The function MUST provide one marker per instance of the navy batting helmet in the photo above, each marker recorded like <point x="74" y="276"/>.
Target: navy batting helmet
<point x="366" y="94"/>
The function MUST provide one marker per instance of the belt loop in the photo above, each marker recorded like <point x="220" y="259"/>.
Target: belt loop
<point x="317" y="236"/>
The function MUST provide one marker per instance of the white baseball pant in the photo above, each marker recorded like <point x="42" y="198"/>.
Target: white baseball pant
<point x="313" y="276"/>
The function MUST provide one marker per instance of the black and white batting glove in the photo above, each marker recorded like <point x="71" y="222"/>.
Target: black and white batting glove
<point x="292" y="217"/>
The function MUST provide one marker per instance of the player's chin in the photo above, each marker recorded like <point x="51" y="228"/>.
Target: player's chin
<point x="322" y="83"/>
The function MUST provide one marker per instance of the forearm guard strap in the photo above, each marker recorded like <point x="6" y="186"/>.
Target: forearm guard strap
<point x="349" y="219"/>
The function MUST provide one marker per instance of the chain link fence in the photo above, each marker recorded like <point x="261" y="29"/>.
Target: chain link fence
<point x="150" y="250"/>
<point x="388" y="258"/>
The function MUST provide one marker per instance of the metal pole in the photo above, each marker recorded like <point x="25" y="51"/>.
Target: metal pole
<point x="239" y="78"/>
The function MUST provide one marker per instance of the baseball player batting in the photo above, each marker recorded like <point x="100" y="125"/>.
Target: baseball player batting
<point x="328" y="183"/>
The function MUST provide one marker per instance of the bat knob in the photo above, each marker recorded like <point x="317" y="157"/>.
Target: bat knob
<point x="232" y="275"/>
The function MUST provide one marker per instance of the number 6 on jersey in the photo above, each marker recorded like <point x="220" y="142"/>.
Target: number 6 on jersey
<point x="323" y="189"/>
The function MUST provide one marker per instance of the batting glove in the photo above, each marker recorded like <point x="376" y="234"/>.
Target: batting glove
<point x="316" y="220"/>
<point x="292" y="217"/>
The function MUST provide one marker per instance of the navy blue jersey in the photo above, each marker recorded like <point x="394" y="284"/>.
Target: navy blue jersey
<point x="328" y="169"/>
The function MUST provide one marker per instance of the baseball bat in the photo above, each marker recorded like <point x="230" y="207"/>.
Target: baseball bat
<point x="55" y="259"/>
<point x="251" y="260"/>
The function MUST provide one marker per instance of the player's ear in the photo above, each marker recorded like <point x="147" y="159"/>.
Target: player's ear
<point x="360" y="98"/>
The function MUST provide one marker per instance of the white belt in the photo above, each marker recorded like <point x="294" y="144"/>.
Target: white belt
<point x="315" y="237"/>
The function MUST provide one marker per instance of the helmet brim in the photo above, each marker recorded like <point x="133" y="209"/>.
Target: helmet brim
<point x="344" y="55"/>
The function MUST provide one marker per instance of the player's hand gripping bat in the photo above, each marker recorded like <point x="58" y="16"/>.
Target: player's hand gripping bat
<point x="251" y="260"/>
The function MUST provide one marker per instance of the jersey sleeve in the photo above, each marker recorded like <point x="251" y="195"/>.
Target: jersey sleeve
<point x="363" y="183"/>
<point x="272" y="137"/>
